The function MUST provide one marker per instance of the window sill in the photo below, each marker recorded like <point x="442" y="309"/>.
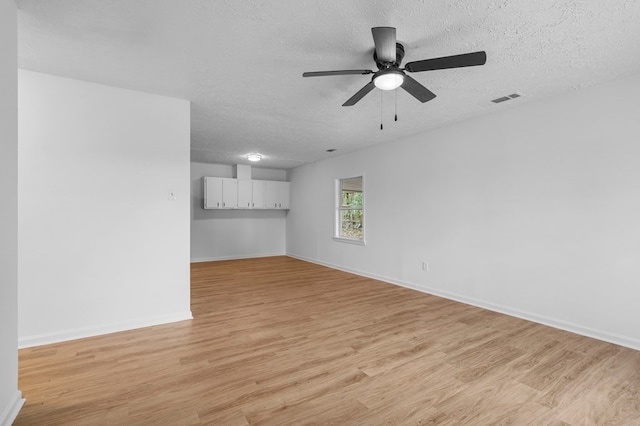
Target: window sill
<point x="349" y="240"/>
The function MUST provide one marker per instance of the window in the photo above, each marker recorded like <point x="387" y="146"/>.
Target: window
<point x="350" y="211"/>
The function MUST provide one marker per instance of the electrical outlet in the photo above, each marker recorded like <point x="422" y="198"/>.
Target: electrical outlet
<point x="425" y="266"/>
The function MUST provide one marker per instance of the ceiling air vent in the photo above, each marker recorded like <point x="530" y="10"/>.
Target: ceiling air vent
<point x="502" y="99"/>
<point x="506" y="98"/>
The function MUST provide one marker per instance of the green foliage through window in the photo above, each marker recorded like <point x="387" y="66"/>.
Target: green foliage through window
<point x="350" y="215"/>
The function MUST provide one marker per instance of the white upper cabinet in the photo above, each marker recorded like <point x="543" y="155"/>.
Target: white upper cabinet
<point x="283" y="195"/>
<point x="212" y="193"/>
<point x="220" y="193"/>
<point x="258" y="194"/>
<point x="277" y="194"/>
<point x="231" y="193"/>
<point x="270" y="195"/>
<point x="245" y="194"/>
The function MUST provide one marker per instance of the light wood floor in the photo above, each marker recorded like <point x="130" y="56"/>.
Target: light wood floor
<point x="279" y="341"/>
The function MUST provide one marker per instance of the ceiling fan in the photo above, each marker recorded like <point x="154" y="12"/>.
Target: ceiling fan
<point x="388" y="55"/>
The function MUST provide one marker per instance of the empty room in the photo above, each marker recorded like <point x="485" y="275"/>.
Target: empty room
<point x="346" y="213"/>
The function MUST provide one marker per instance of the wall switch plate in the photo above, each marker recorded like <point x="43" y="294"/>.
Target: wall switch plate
<point x="425" y="266"/>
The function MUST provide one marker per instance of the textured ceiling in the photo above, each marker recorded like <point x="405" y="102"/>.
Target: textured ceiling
<point x="240" y="63"/>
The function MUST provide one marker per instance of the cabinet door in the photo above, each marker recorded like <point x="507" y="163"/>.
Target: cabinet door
<point x="212" y="193"/>
<point x="258" y="194"/>
<point x="245" y="191"/>
<point x="277" y="194"/>
<point x="271" y="194"/>
<point x="229" y="193"/>
<point x="283" y="195"/>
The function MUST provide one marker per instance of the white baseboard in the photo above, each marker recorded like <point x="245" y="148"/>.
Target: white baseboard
<point x="236" y="257"/>
<point x="80" y="333"/>
<point x="529" y="316"/>
<point x="11" y="410"/>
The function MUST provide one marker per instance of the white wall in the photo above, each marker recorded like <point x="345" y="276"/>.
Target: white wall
<point x="234" y="234"/>
<point x="10" y="398"/>
<point x="101" y="246"/>
<point x="533" y="211"/>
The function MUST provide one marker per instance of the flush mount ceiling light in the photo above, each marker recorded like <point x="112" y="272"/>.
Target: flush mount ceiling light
<point x="254" y="156"/>
<point x="389" y="80"/>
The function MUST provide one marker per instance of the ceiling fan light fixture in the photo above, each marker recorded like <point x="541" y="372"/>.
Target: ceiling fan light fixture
<point x="389" y="81"/>
<point x="254" y="156"/>
<point x="388" y="56"/>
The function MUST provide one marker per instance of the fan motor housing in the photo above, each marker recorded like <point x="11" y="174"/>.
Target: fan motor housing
<point x="399" y="56"/>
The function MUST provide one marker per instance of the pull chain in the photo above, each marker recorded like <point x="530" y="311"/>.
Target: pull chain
<point x="396" y="116"/>
<point x="381" y="110"/>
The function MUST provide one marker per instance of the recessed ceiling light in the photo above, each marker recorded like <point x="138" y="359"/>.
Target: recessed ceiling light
<point x="254" y="156"/>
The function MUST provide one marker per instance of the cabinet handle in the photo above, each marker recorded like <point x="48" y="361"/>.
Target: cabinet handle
<point x="218" y="203"/>
<point x="223" y="204"/>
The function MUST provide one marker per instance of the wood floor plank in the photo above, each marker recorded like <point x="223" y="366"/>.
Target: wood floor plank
<point x="277" y="341"/>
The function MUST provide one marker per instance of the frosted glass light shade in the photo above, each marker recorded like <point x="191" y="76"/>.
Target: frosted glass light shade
<point x="254" y="157"/>
<point x="389" y="81"/>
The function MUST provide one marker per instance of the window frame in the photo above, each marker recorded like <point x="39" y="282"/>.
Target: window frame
<point x="339" y="209"/>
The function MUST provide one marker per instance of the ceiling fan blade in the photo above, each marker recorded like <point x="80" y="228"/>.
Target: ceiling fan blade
<point x="360" y="94"/>
<point x="385" y="41"/>
<point x="341" y="72"/>
<point x="455" y="61"/>
<point x="417" y="90"/>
